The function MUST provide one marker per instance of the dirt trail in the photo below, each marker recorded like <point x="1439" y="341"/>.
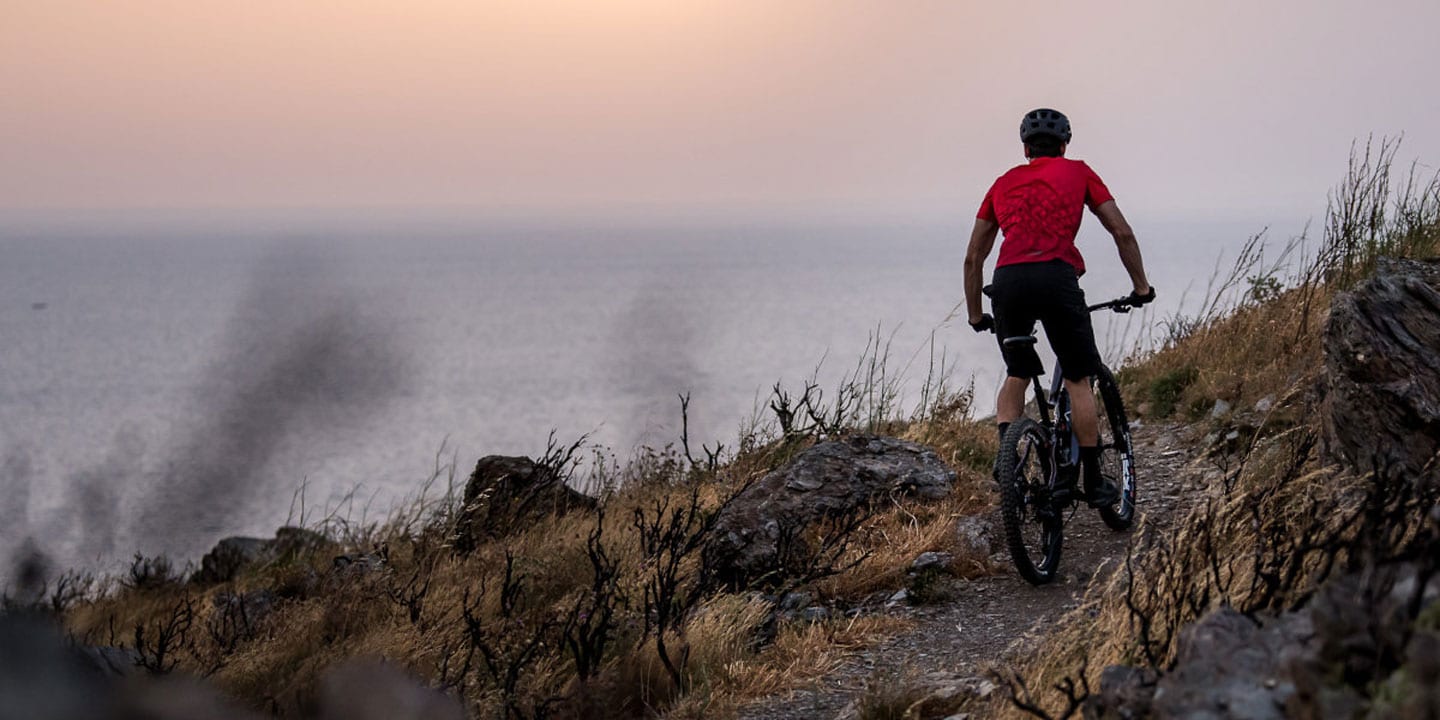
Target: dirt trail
<point x="1000" y="616"/>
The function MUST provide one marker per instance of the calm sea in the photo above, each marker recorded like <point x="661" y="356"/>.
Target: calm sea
<point x="161" y="390"/>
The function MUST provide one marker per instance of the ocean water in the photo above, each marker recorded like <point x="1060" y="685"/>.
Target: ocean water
<point x="159" y="391"/>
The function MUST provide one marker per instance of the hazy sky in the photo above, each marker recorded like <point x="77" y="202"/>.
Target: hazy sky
<point x="886" y="106"/>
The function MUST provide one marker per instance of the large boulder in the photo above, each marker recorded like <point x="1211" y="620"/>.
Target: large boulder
<point x="233" y="555"/>
<point x="1228" y="665"/>
<point x="760" y="533"/>
<point x="508" y="493"/>
<point x="1366" y="643"/>
<point x="1382" y="362"/>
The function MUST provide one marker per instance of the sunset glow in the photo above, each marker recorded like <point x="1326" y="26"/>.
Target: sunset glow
<point x="581" y="104"/>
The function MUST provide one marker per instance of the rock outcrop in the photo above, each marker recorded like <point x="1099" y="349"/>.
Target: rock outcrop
<point x="759" y="533"/>
<point x="507" y="493"/>
<point x="232" y="555"/>
<point x="1382" y="361"/>
<point x="1368" y="645"/>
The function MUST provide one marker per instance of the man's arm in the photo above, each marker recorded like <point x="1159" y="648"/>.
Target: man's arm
<point x="982" y="238"/>
<point x="1114" y="221"/>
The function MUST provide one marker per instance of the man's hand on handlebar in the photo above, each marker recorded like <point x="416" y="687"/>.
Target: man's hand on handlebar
<point x="1136" y="299"/>
<point x="1124" y="304"/>
<point x="986" y="323"/>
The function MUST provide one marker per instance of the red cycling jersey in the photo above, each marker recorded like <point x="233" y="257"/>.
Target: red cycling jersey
<point x="1038" y="207"/>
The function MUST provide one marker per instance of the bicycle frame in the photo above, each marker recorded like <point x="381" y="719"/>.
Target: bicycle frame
<point x="1038" y="466"/>
<point x="1054" y="411"/>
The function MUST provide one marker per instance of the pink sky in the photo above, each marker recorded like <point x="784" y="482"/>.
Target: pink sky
<point x="578" y="105"/>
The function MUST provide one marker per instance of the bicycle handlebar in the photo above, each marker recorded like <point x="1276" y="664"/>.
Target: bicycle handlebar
<point x="1119" y="305"/>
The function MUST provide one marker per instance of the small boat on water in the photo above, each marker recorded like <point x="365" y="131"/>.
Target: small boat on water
<point x="39" y="305"/>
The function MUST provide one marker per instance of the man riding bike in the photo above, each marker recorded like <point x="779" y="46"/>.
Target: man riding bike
<point x="1039" y="206"/>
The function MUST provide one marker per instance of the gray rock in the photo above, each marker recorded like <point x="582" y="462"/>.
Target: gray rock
<point x="357" y="563"/>
<point x="1125" y="692"/>
<point x="977" y="687"/>
<point x="759" y="533"/>
<point x="795" y="601"/>
<point x="229" y="557"/>
<point x="1223" y="663"/>
<point x="1221" y="409"/>
<point x="900" y="597"/>
<point x="815" y="614"/>
<point x="939" y="701"/>
<point x="1381" y="404"/>
<point x="1360" y="623"/>
<point x="977" y="537"/>
<point x="932" y="562"/>
<point x="1336" y="657"/>
<point x="1264" y="404"/>
<point x="505" y="494"/>
<point x="233" y="555"/>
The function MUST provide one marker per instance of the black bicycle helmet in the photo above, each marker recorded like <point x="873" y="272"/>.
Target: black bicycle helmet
<point x="1045" y="121"/>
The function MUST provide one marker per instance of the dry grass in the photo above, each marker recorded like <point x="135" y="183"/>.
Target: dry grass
<point x="799" y="654"/>
<point x="891" y="540"/>
<point x="579" y="615"/>
<point x="1257" y="333"/>
<point x="1261" y="352"/>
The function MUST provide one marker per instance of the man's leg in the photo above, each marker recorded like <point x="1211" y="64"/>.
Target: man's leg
<point x="1084" y="422"/>
<point x="1010" y="404"/>
<point x="1083" y="416"/>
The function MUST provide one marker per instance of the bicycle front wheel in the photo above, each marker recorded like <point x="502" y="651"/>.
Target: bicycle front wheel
<point x="1032" y="524"/>
<point x="1117" y="452"/>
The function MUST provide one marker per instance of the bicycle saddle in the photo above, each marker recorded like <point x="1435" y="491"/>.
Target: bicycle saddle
<point x="1019" y="341"/>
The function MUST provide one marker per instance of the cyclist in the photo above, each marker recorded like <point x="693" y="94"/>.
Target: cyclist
<point x="1039" y="206"/>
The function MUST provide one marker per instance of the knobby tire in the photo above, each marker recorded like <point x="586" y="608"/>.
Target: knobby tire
<point x="1025" y="470"/>
<point x="1118" y="451"/>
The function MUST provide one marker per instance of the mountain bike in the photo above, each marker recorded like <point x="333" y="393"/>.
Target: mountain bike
<point x="1038" y="466"/>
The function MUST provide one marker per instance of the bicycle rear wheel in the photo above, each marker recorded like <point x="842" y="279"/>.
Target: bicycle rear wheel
<point x="1032" y="526"/>
<point x="1117" y="452"/>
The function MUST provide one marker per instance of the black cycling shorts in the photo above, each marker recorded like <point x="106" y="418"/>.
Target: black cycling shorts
<point x="1049" y="292"/>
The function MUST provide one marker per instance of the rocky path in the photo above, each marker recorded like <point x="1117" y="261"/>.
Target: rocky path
<point x="995" y="617"/>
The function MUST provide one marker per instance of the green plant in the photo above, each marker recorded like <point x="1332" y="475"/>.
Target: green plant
<point x="1167" y="389"/>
